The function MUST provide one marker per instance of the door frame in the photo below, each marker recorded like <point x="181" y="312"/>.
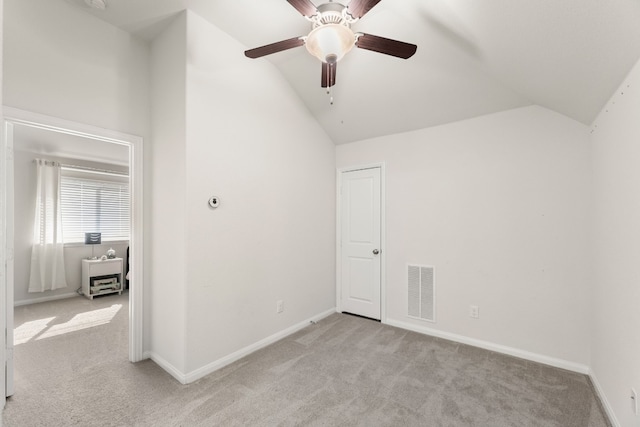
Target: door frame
<point x="383" y="240"/>
<point x="11" y="118"/>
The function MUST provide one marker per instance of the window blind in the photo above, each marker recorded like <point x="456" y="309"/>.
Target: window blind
<point x="94" y="205"/>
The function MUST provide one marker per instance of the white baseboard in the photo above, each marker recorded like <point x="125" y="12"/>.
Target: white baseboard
<point x="603" y="398"/>
<point x="171" y="370"/>
<point x="558" y="363"/>
<point x="45" y="299"/>
<point x="221" y="363"/>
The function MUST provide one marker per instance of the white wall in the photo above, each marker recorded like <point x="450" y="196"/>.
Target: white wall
<point x="616" y="224"/>
<point x="65" y="63"/>
<point x="62" y="62"/>
<point x="499" y="205"/>
<point x="24" y="203"/>
<point x="251" y="142"/>
<point x="166" y="246"/>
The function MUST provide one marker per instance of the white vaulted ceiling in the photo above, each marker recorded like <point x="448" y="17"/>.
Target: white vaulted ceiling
<point x="474" y="57"/>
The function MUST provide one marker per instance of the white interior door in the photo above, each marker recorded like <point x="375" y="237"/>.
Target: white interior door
<point x="360" y="238"/>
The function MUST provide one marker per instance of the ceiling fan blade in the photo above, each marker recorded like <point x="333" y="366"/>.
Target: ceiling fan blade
<point x="358" y="8"/>
<point x="305" y="7"/>
<point x="387" y="46"/>
<point x="328" y="74"/>
<point x="274" y="47"/>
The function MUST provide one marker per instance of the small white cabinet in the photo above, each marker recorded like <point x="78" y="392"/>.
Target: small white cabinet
<point x="101" y="277"/>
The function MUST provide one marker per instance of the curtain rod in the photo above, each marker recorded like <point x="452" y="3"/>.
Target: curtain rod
<point x="90" y="169"/>
<point x="87" y="168"/>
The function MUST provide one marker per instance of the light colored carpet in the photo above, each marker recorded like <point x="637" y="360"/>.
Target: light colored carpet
<point x="348" y="371"/>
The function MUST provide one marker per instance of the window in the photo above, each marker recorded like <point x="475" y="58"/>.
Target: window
<point x="94" y="202"/>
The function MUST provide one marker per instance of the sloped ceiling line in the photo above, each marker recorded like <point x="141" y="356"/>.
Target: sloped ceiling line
<point x="474" y="58"/>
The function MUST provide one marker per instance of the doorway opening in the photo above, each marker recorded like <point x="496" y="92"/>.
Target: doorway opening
<point x="15" y="121"/>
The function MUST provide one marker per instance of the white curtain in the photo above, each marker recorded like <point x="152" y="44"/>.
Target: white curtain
<point x="47" y="254"/>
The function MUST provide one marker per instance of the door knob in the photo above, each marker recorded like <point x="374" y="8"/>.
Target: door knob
<point x="376" y="252"/>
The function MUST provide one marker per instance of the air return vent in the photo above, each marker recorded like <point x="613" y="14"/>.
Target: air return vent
<point x="421" y="292"/>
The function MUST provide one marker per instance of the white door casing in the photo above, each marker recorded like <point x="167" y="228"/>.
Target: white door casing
<point x="4" y="160"/>
<point x="360" y="243"/>
<point x="9" y="257"/>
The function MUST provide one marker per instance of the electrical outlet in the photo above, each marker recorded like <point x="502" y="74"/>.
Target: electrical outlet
<point x="474" y="311"/>
<point x="279" y="306"/>
<point x="634" y="402"/>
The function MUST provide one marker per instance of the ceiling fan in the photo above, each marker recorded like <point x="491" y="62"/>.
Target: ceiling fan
<point x="331" y="36"/>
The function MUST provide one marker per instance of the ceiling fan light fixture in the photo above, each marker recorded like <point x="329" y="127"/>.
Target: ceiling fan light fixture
<point x="330" y="42"/>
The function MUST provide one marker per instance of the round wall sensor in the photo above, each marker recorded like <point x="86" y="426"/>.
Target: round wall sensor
<point x="214" y="202"/>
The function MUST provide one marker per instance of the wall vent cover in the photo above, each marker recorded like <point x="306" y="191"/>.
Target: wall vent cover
<point x="421" y="288"/>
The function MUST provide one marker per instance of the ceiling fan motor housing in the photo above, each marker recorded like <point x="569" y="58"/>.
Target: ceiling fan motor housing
<point x="332" y="13"/>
